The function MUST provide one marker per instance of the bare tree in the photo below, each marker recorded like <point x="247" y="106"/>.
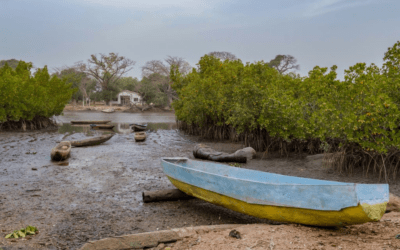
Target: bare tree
<point x="161" y="68"/>
<point x="107" y="70"/>
<point x="223" y="55"/>
<point x="157" y="67"/>
<point x="284" y="63"/>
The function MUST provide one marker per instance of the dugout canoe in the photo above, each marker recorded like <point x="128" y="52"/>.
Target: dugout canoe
<point x="91" y="141"/>
<point x="89" y="122"/>
<point x="278" y="197"/>
<point x="108" y="111"/>
<point x="61" y="151"/>
<point x="139" y="127"/>
<point x="140" y="136"/>
<point x="101" y="126"/>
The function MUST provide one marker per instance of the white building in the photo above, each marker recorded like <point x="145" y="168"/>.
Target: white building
<point x="128" y="97"/>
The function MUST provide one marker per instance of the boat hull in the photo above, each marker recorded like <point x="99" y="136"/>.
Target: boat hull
<point x="357" y="213"/>
<point x="58" y="153"/>
<point x="348" y="216"/>
<point x="91" y="141"/>
<point x="140" y="136"/>
<point x="89" y="122"/>
<point x="108" y="111"/>
<point x="101" y="126"/>
<point x="137" y="127"/>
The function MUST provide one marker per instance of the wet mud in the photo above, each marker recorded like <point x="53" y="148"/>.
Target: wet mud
<point x="96" y="193"/>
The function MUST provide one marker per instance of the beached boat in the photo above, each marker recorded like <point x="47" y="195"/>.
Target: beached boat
<point x="61" y="151"/>
<point x="89" y="122"/>
<point x="91" y="141"/>
<point x="278" y="197"/>
<point x="101" y="126"/>
<point x="138" y="127"/>
<point x="108" y="110"/>
<point x="140" y="136"/>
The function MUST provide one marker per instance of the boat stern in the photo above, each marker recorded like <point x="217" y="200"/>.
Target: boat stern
<point x="373" y="199"/>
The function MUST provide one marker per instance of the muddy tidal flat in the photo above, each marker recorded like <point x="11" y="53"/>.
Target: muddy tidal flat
<point x="97" y="192"/>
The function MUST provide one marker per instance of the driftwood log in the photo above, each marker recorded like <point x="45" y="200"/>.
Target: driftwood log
<point x="204" y="152"/>
<point x="165" y="195"/>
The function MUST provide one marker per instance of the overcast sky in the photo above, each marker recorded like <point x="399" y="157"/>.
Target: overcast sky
<point x="59" y="33"/>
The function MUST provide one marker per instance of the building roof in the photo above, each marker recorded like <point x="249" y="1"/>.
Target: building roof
<point x="129" y="92"/>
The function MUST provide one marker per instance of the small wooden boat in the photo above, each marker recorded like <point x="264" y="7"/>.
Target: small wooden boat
<point x="61" y="151"/>
<point x="89" y="122"/>
<point x="108" y="110"/>
<point x="278" y="197"/>
<point x="138" y="127"/>
<point x="140" y="136"/>
<point x="91" y="141"/>
<point x="101" y="126"/>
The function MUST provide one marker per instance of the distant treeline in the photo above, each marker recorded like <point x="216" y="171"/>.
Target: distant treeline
<point x="357" y="120"/>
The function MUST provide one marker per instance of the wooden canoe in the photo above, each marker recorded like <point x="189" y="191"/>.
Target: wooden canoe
<point x="108" y="110"/>
<point x="140" y="136"/>
<point x="91" y="141"/>
<point x="139" y="127"/>
<point x="101" y="126"/>
<point x="61" y="151"/>
<point x="89" y="122"/>
<point x="278" y="197"/>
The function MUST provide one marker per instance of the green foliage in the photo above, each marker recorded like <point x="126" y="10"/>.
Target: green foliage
<point x="128" y="83"/>
<point x="362" y="110"/>
<point x="76" y="79"/>
<point x="25" y="96"/>
<point x="151" y="88"/>
<point x="29" y="230"/>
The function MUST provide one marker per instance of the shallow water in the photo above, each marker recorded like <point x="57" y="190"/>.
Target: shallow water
<point x="118" y="117"/>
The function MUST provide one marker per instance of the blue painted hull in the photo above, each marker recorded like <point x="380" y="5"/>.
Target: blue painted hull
<point x="262" y="188"/>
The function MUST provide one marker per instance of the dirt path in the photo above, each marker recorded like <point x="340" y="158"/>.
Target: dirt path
<point x="97" y="194"/>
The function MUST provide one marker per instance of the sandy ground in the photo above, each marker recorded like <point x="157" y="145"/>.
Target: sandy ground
<point x="378" y="235"/>
<point x="97" y="193"/>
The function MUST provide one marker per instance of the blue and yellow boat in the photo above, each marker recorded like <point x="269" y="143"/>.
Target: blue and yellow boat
<point x="278" y="197"/>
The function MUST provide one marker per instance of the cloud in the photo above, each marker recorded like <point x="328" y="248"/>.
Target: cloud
<point x="319" y="7"/>
<point x="181" y="7"/>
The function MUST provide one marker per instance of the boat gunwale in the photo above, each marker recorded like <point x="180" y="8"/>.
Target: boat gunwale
<point x="336" y="183"/>
<point x="97" y="139"/>
<point x="356" y="187"/>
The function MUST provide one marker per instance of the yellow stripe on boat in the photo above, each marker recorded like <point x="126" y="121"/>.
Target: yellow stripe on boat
<point x="352" y="215"/>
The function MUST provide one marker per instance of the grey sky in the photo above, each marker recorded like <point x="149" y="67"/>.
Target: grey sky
<point x="325" y="32"/>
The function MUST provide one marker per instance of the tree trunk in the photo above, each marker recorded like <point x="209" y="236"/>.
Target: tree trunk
<point x="165" y="195"/>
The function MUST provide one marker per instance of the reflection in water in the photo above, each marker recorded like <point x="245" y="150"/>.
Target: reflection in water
<point x="67" y="127"/>
<point x="121" y="128"/>
<point x="157" y="126"/>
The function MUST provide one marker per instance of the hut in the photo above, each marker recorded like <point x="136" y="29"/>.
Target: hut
<point x="128" y="97"/>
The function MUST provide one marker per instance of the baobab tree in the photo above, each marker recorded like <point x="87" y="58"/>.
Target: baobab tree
<point x="107" y="70"/>
<point x="283" y="63"/>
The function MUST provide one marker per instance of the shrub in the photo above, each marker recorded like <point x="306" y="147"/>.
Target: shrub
<point x="26" y="97"/>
